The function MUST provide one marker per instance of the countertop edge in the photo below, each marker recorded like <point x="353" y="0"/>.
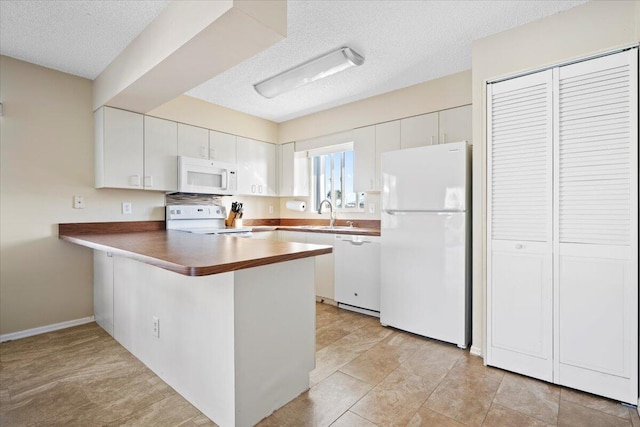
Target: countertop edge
<point x="81" y="239"/>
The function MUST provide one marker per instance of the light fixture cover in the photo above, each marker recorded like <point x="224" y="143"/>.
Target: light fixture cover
<point x="310" y="71"/>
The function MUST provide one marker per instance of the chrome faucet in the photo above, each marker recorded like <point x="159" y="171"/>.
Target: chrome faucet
<point x="332" y="217"/>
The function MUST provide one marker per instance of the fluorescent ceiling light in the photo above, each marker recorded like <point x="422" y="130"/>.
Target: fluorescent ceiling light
<point x="316" y="69"/>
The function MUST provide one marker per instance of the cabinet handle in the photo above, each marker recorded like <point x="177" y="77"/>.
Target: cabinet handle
<point x="212" y="153"/>
<point x="203" y="152"/>
<point x="134" y="180"/>
<point x="444" y="138"/>
<point x="519" y="246"/>
<point x="355" y="293"/>
<point x="148" y="181"/>
<point x="253" y="188"/>
<point x="260" y="189"/>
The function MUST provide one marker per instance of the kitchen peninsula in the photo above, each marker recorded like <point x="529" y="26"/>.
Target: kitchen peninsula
<point x="228" y="322"/>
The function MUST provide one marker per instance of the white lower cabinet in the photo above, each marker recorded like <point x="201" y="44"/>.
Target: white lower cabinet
<point x="324" y="265"/>
<point x="265" y="235"/>
<point x="103" y="290"/>
<point x="324" y="272"/>
<point x="357" y="272"/>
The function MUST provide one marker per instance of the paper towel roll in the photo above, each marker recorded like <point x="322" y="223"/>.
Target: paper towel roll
<point x="296" y="205"/>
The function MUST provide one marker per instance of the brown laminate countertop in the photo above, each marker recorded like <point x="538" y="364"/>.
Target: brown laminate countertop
<point x="195" y="254"/>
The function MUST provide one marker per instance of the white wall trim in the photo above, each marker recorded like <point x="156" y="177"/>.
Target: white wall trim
<point x="44" y="329"/>
<point x="475" y="350"/>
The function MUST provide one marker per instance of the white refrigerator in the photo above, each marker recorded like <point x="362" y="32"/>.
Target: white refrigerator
<point x="425" y="276"/>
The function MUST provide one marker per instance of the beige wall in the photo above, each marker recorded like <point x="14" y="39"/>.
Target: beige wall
<point x="588" y="29"/>
<point x="196" y="112"/>
<point x="46" y="157"/>
<point x="439" y="94"/>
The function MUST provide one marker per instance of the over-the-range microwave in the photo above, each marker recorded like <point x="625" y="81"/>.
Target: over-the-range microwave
<point x="206" y="176"/>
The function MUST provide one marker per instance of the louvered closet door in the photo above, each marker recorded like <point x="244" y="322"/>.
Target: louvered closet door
<point x="596" y="276"/>
<point x="519" y="318"/>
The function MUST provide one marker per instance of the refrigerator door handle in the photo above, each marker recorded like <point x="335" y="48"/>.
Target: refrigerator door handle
<point x="421" y="212"/>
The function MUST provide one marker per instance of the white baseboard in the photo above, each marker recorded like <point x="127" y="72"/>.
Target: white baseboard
<point x="44" y="329"/>
<point x="325" y="300"/>
<point x="476" y="351"/>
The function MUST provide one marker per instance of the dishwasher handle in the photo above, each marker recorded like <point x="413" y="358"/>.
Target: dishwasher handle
<point x="358" y="242"/>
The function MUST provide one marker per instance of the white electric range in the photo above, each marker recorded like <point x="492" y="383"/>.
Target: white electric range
<point x="202" y="220"/>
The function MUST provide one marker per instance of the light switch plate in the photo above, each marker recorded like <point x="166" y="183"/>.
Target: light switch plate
<point x="126" y="208"/>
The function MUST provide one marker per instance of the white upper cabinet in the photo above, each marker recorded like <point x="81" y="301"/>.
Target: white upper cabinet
<point x="364" y="157"/>
<point x="222" y="146"/>
<point x="294" y="174"/>
<point x="440" y="127"/>
<point x="419" y="131"/>
<point x="368" y="144"/>
<point x="119" y="154"/>
<point x="454" y="125"/>
<point x="387" y="139"/>
<point x="256" y="167"/>
<point x="193" y="141"/>
<point x="160" y="154"/>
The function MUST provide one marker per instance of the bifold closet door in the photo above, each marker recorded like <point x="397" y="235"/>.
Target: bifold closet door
<point x="520" y="293"/>
<point x="596" y="211"/>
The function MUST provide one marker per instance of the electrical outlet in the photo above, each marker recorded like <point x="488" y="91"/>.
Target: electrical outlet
<point x="372" y="208"/>
<point x="78" y="202"/>
<point x="156" y="327"/>
<point x="126" y="208"/>
<point x="270" y="209"/>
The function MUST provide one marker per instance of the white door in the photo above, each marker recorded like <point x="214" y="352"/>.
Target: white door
<point x="425" y="178"/>
<point x="422" y="277"/>
<point x="597" y="209"/>
<point x="520" y="285"/>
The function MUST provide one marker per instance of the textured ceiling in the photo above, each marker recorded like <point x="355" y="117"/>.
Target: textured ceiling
<point x="403" y="42"/>
<point x="77" y="37"/>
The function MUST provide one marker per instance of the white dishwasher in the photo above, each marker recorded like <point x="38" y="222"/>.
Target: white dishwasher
<point x="357" y="273"/>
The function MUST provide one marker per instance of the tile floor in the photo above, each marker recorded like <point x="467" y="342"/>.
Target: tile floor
<point x="365" y="375"/>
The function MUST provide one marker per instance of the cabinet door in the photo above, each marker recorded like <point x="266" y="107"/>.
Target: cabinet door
<point x="119" y="148"/>
<point x="324" y="273"/>
<point x="364" y="158"/>
<point x="271" y="172"/>
<point x="256" y="167"/>
<point x="293" y="178"/>
<point x="387" y="139"/>
<point x="193" y="141"/>
<point x="292" y="236"/>
<point x="285" y="167"/>
<point x="246" y="166"/>
<point x="222" y="146"/>
<point x="454" y="124"/>
<point x="520" y="285"/>
<point x="160" y="154"/>
<point x="419" y="131"/>
<point x="103" y="290"/>
<point x="597" y="209"/>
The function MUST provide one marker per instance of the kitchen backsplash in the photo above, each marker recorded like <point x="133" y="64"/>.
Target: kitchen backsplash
<point x="192" y="199"/>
